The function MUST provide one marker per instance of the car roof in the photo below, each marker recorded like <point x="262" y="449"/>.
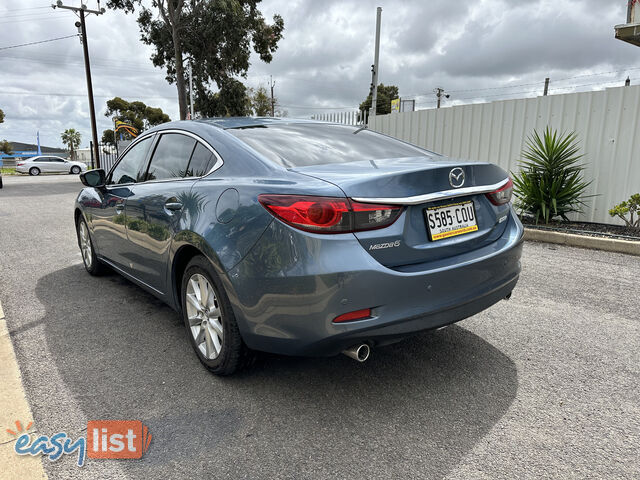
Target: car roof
<point x="245" y="122"/>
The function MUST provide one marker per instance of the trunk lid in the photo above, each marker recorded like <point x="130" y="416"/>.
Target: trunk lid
<point x="419" y="184"/>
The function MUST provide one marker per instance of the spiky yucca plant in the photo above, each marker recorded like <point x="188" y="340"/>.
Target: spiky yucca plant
<point x="550" y="182"/>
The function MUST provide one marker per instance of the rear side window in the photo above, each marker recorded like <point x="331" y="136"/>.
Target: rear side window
<point x="130" y="168"/>
<point x="202" y="160"/>
<point x="301" y="145"/>
<point x="171" y="157"/>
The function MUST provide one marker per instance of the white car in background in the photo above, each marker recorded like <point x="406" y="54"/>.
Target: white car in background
<point x="49" y="164"/>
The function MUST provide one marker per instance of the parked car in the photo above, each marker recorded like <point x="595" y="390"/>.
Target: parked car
<point x="49" y="164"/>
<point x="300" y="237"/>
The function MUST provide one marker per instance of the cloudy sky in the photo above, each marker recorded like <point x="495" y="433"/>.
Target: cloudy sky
<point x="482" y="50"/>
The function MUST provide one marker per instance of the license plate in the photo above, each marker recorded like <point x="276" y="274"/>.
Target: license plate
<point x="451" y="220"/>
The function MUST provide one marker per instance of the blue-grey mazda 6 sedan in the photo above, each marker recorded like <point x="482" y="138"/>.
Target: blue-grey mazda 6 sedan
<point x="299" y="237"/>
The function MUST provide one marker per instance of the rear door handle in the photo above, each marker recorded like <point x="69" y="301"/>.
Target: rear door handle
<point x="173" y="205"/>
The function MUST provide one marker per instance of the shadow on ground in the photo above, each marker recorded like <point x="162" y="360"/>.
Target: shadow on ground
<point x="415" y="409"/>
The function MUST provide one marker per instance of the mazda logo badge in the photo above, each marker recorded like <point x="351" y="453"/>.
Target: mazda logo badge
<point x="456" y="177"/>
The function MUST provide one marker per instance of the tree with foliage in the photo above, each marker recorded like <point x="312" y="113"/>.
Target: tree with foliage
<point x="215" y="35"/>
<point x="5" y="147"/>
<point x="71" y="138"/>
<point x="232" y="100"/>
<point x="383" y="102"/>
<point x="551" y="181"/>
<point x="108" y="137"/>
<point x="261" y="102"/>
<point x="137" y="114"/>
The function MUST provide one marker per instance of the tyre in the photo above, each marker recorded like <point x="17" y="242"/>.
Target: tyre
<point x="75" y="170"/>
<point x="0" y="181"/>
<point x="91" y="262"/>
<point x="209" y="320"/>
<point x="34" y="171"/>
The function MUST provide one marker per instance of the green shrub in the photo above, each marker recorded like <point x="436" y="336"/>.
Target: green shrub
<point x="631" y="207"/>
<point x="551" y="181"/>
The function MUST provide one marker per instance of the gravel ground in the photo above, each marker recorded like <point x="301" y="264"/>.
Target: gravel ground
<point x="542" y="386"/>
<point x="587" y="228"/>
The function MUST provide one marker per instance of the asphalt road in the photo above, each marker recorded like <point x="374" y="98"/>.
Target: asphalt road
<point x="546" y="385"/>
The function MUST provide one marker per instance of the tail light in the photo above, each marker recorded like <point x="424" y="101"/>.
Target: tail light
<point x="329" y="214"/>
<point x="19" y="164"/>
<point x="502" y="195"/>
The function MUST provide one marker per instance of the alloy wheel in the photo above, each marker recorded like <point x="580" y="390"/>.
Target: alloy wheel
<point x="204" y="316"/>
<point x="85" y="244"/>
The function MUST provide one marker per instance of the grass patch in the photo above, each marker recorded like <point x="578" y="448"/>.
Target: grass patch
<point x="8" y="171"/>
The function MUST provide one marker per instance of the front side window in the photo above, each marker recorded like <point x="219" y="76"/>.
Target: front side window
<point x="129" y="169"/>
<point x="171" y="157"/>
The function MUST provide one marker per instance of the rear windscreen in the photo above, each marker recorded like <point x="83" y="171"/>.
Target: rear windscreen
<point x="304" y="144"/>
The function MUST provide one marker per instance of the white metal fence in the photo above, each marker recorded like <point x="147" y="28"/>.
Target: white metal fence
<point x="346" y="118"/>
<point x="607" y="123"/>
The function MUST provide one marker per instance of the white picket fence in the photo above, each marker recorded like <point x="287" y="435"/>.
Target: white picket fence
<point x="607" y="123"/>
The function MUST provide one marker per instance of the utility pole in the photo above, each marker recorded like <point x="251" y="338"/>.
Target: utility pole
<point x="374" y="67"/>
<point x="546" y="86"/>
<point x="190" y="92"/>
<point x="439" y="94"/>
<point x="81" y="11"/>
<point x="273" y="102"/>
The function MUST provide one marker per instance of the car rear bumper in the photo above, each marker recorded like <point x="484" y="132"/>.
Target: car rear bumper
<point x="290" y="287"/>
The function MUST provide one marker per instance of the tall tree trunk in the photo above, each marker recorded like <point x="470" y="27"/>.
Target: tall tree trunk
<point x="180" y="83"/>
<point x="172" y="17"/>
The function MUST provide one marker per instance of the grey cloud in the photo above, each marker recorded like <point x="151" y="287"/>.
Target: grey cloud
<point x="324" y="59"/>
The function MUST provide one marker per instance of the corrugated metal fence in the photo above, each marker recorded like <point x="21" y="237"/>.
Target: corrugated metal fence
<point x="607" y="123"/>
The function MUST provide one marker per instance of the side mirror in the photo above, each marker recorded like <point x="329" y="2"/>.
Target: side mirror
<point x="93" y="178"/>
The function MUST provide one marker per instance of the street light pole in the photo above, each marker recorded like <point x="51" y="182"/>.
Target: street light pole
<point x="190" y="91"/>
<point x="81" y="11"/>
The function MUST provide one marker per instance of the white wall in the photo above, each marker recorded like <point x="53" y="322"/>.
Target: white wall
<point x="607" y="123"/>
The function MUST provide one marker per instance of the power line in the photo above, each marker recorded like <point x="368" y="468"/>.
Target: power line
<point x="33" y="20"/>
<point x="541" y="82"/>
<point x="26" y="8"/>
<point x="58" y="94"/>
<point x="30" y="15"/>
<point x="504" y="94"/>
<point x="36" y="43"/>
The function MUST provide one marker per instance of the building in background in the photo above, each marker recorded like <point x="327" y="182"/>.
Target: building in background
<point x="630" y="32"/>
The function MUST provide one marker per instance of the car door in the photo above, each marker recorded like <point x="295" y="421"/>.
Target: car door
<point x="59" y="165"/>
<point x="42" y="163"/>
<point x="155" y="207"/>
<point x="107" y="219"/>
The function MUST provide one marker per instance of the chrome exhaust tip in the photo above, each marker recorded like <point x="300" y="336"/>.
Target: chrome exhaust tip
<point x="359" y="353"/>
